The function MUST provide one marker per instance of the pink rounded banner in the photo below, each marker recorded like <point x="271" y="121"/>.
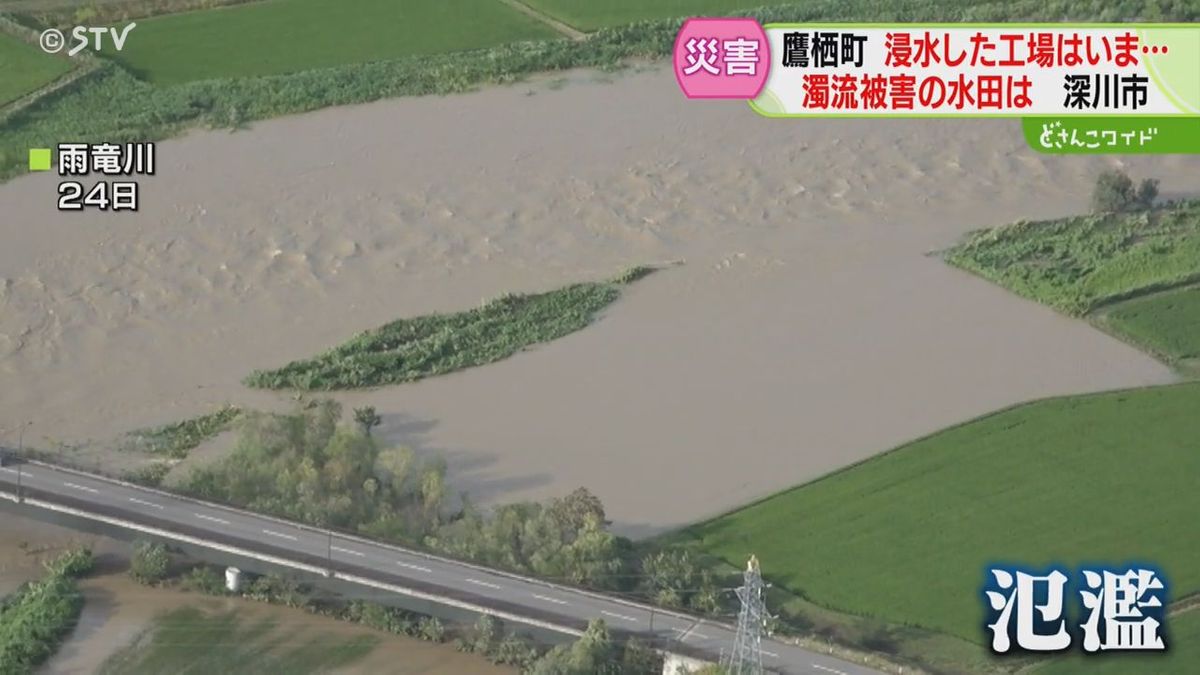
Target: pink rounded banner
<point x="721" y="58"/>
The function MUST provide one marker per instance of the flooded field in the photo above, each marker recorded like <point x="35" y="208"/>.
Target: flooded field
<point x="130" y="629"/>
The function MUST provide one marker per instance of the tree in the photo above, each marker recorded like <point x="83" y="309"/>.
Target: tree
<point x="640" y="658"/>
<point x="367" y="419"/>
<point x="1114" y="192"/>
<point x="149" y="563"/>
<point x="592" y="654"/>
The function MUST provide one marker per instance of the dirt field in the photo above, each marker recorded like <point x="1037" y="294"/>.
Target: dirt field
<point x="808" y="328"/>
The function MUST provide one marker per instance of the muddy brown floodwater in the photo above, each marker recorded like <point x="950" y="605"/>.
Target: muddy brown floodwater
<point x="117" y="610"/>
<point x="809" y="328"/>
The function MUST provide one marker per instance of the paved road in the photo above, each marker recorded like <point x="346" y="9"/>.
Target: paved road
<point x="390" y="564"/>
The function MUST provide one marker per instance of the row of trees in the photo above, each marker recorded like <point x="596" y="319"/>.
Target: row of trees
<point x="310" y="467"/>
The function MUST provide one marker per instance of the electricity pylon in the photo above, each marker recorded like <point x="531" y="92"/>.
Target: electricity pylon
<point x="746" y="657"/>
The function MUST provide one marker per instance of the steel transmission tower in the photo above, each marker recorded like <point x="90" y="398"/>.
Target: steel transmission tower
<point x="746" y="657"/>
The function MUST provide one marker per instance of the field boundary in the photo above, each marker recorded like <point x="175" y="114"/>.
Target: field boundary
<point x="688" y="529"/>
<point x="1100" y="319"/>
<point x="82" y="66"/>
<point x="560" y="26"/>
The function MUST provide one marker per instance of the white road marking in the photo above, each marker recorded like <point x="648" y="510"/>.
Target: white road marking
<point x="413" y="567"/>
<point x="548" y="599"/>
<point x="770" y="654"/>
<point x="483" y="583"/>
<point x="827" y="669"/>
<point x="82" y="487"/>
<point x="7" y="470"/>
<point x="143" y="502"/>
<point x="347" y="551"/>
<point x="201" y="516"/>
<point x="618" y="616"/>
<point x="685" y="633"/>
<point x="280" y="535"/>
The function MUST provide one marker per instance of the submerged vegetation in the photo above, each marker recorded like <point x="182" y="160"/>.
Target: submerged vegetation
<point x="190" y="639"/>
<point x="35" y="619"/>
<point x="176" y="440"/>
<point x="435" y="344"/>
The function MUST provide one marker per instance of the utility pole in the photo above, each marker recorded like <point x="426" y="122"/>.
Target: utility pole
<point x="746" y="656"/>
<point x="20" y="460"/>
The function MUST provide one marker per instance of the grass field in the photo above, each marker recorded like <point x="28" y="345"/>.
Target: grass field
<point x="282" y="36"/>
<point x="588" y="16"/>
<point x="905" y="536"/>
<point x="25" y="68"/>
<point x="436" y="344"/>
<point x="1182" y="657"/>
<point x="189" y="639"/>
<point x="1076" y="264"/>
<point x="1167" y="323"/>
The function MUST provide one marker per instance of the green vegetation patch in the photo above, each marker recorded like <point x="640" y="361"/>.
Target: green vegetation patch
<point x="1181" y="657"/>
<point x="435" y="344"/>
<point x="905" y="536"/>
<point x="282" y="36"/>
<point x="35" y="619"/>
<point x="1167" y="323"/>
<point x="1076" y="264"/>
<point x="24" y="68"/>
<point x="110" y="105"/>
<point x="176" y="440"/>
<point x="189" y="639"/>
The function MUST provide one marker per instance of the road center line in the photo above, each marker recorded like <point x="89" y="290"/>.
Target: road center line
<point x="280" y="535"/>
<point x="827" y="669"/>
<point x="770" y="654"/>
<point x="7" y="470"/>
<point x="201" y="516"/>
<point x="347" y="551"/>
<point x="483" y="583"/>
<point x="143" y="502"/>
<point x="413" y="567"/>
<point x="618" y="616"/>
<point x="82" y="487"/>
<point x="549" y="599"/>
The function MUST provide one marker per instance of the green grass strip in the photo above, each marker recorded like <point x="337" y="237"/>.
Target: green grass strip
<point x="411" y="349"/>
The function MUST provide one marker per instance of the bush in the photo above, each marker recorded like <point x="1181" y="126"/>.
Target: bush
<point x="278" y="590"/>
<point x="429" y="628"/>
<point x="150" y="562"/>
<point x="1114" y="193"/>
<point x="203" y="579"/>
<point x="35" y="619"/>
